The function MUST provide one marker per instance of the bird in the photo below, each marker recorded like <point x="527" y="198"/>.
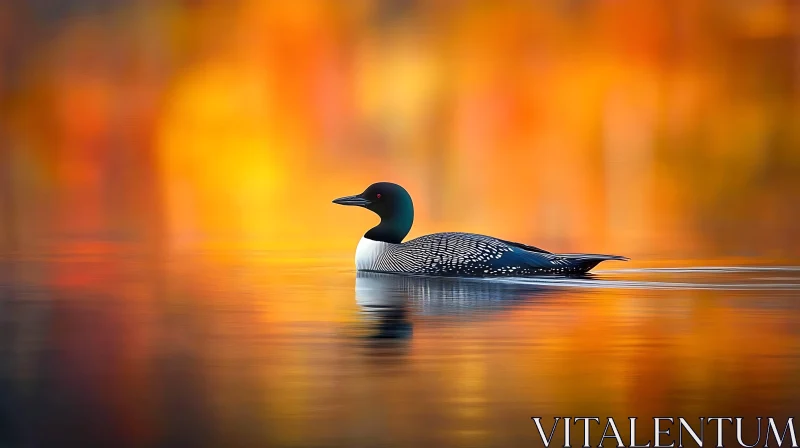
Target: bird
<point x="449" y="254"/>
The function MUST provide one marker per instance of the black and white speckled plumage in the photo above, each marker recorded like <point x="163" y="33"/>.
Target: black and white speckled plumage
<point x="469" y="255"/>
<point x="451" y="253"/>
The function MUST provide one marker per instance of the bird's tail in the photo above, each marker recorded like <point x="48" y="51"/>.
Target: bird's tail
<point x="585" y="262"/>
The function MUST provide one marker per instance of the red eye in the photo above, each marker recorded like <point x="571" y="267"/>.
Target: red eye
<point x="378" y="195"/>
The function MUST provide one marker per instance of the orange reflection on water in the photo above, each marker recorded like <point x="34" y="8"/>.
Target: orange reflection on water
<point x="254" y="350"/>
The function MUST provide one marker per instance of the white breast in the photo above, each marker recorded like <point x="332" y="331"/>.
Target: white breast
<point x="368" y="254"/>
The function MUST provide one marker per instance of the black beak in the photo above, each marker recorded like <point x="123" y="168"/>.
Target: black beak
<point x="352" y="200"/>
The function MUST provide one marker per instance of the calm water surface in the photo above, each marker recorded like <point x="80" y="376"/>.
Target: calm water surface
<point x="253" y="350"/>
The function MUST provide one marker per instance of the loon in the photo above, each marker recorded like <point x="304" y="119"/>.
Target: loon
<point x="451" y="254"/>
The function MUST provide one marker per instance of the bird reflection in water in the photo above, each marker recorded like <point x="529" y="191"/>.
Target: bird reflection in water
<point x="384" y="302"/>
<point x="387" y="301"/>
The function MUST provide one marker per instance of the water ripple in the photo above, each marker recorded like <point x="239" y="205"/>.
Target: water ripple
<point x="596" y="281"/>
<point x="706" y="269"/>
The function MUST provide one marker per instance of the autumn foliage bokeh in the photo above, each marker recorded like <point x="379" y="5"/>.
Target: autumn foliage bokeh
<point x="651" y="128"/>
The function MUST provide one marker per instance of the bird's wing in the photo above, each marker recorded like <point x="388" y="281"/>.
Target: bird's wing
<point x="525" y="247"/>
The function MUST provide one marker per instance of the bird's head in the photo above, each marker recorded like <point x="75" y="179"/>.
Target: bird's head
<point x="389" y="201"/>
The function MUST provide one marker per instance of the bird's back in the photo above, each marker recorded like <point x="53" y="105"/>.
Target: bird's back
<point x="453" y="253"/>
<point x="469" y="255"/>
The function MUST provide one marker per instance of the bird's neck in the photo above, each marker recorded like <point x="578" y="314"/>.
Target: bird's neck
<point x="393" y="227"/>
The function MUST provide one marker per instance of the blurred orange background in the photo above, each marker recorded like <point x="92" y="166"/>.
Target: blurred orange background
<point x="143" y="142"/>
<point x="653" y="129"/>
